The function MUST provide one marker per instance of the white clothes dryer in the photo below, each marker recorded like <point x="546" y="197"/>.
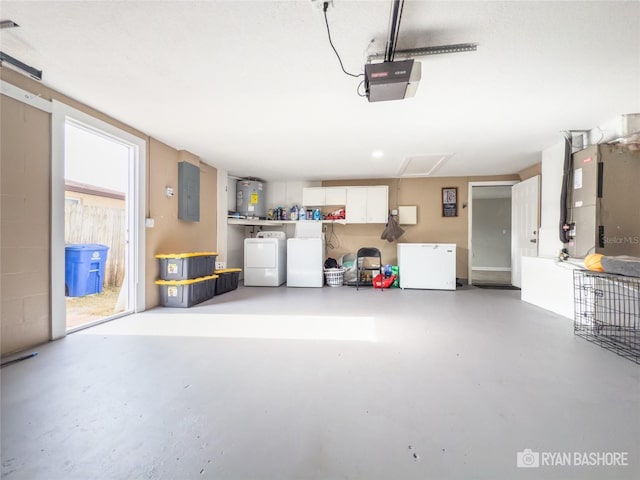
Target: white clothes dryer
<point x="265" y="260"/>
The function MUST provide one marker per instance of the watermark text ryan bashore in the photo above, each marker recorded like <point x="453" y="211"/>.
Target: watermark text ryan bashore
<point x="530" y="459"/>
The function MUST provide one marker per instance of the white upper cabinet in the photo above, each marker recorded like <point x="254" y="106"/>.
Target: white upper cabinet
<point x="335" y="196"/>
<point x="356" y="206"/>
<point x="367" y="204"/>
<point x="321" y="196"/>
<point x="313" y="197"/>
<point x="377" y="204"/>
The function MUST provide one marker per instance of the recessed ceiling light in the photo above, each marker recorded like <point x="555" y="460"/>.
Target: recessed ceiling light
<point x="377" y="154"/>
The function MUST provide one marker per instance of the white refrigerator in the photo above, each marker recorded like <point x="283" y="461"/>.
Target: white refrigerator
<point x="427" y="265"/>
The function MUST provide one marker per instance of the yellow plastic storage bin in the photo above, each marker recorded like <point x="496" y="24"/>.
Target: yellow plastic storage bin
<point x="227" y="280"/>
<point x="186" y="266"/>
<point x="186" y="293"/>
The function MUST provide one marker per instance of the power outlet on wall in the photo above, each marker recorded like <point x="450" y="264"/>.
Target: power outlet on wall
<point x="219" y="265"/>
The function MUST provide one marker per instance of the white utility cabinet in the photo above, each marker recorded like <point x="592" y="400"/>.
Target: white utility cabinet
<point x="321" y="196"/>
<point x="313" y="197"/>
<point x="356" y="206"/>
<point x="367" y="204"/>
<point x="427" y="265"/>
<point x="335" y="196"/>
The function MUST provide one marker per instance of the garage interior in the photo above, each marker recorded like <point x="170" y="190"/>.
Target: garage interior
<point x="322" y="383"/>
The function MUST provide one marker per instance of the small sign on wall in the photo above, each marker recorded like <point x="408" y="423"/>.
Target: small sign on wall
<point x="450" y="202"/>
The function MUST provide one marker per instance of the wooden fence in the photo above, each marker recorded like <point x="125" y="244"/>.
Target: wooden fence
<point x="104" y="225"/>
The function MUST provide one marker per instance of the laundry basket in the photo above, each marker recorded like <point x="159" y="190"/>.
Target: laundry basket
<point x="334" y="276"/>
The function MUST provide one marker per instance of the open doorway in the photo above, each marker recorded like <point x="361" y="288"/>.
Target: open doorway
<point x="490" y="233"/>
<point x="97" y="232"/>
<point x="97" y="209"/>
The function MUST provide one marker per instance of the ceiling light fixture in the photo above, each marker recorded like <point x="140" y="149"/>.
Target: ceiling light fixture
<point x="377" y="154"/>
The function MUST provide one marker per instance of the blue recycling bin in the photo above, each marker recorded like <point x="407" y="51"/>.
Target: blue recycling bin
<point x="84" y="266"/>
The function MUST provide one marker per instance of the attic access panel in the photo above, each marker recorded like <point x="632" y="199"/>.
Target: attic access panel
<point x="423" y="165"/>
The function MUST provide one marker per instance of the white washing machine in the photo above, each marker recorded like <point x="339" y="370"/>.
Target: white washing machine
<point x="305" y="256"/>
<point x="265" y="260"/>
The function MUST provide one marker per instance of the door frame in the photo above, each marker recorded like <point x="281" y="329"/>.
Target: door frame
<point x="60" y="113"/>
<point x="495" y="183"/>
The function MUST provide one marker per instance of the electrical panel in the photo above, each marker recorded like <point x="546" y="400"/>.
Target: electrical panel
<point x="188" y="192"/>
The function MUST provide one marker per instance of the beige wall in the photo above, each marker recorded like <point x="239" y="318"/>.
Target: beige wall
<point x="47" y="93"/>
<point x="171" y="235"/>
<point x="531" y="171"/>
<point x="25" y="173"/>
<point x="25" y="135"/>
<point x="432" y="227"/>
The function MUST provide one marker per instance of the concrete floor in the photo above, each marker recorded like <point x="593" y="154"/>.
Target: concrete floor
<point x="332" y="383"/>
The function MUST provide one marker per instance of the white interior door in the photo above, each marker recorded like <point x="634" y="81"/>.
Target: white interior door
<point x="524" y="224"/>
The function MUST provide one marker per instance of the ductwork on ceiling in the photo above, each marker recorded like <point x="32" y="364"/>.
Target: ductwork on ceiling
<point x="624" y="129"/>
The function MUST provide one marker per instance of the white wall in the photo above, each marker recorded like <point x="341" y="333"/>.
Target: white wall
<point x="548" y="284"/>
<point x="552" y="169"/>
<point x="231" y="191"/>
<point x="277" y="194"/>
<point x="287" y="194"/>
<point x="235" y="247"/>
<point x="223" y="203"/>
<point x="545" y="282"/>
<point x="231" y="237"/>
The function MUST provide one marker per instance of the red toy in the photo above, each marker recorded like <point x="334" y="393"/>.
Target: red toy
<point x="380" y="281"/>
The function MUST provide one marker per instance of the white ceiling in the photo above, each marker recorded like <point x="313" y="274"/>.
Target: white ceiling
<point x="253" y="87"/>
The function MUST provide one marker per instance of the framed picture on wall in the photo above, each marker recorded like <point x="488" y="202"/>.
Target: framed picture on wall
<point x="450" y="202"/>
